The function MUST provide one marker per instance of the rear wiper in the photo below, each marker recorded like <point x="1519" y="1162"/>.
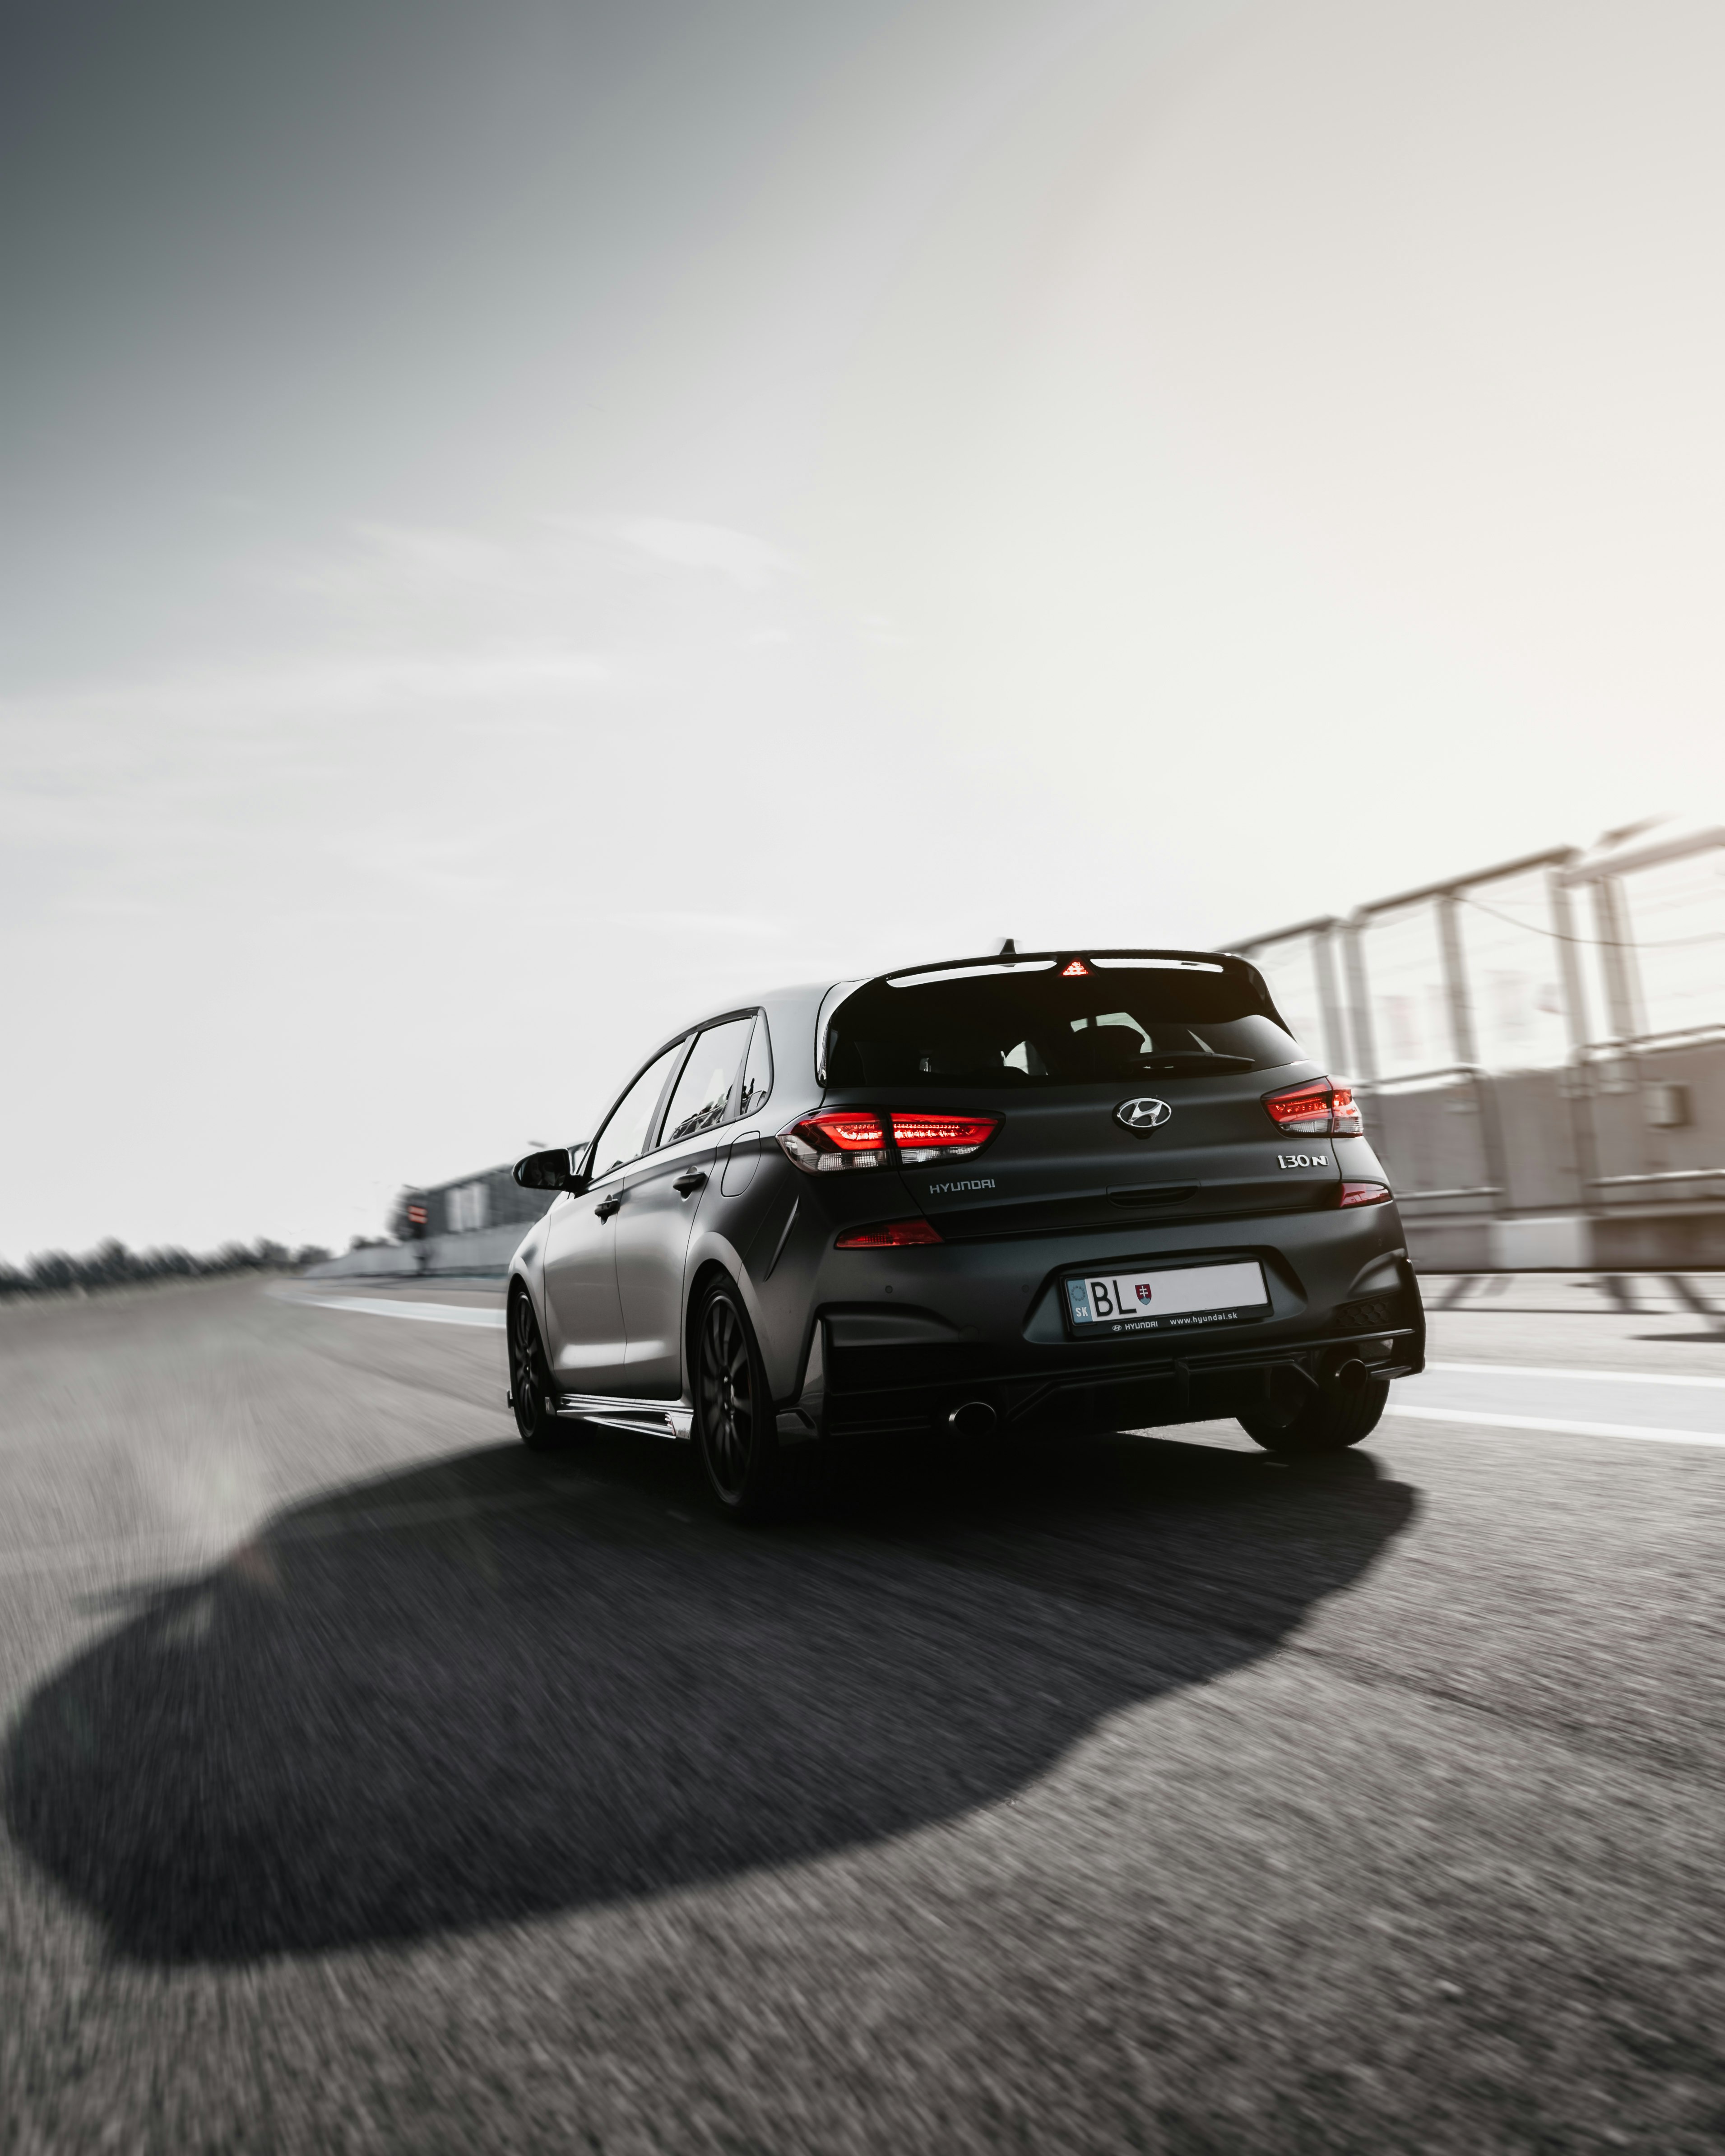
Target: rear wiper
<point x="1195" y="1059"/>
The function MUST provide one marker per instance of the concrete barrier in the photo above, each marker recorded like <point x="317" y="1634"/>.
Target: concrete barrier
<point x="483" y="1250"/>
<point x="1572" y="1242"/>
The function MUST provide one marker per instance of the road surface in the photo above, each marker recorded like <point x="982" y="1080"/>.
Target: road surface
<point x="372" y="1784"/>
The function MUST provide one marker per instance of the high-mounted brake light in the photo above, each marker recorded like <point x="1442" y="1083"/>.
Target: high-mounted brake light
<point x="1074" y="969"/>
<point x="888" y="1235"/>
<point x="1365" y="1194"/>
<point x="837" y="1138"/>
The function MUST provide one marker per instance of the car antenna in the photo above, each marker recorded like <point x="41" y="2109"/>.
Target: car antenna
<point x="1008" y="949"/>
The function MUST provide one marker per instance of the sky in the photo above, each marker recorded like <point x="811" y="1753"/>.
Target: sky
<point x="525" y="523"/>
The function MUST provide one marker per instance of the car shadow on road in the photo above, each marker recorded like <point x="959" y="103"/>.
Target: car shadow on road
<point x="499" y="1686"/>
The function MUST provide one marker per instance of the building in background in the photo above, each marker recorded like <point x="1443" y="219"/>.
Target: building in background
<point x="470" y="1226"/>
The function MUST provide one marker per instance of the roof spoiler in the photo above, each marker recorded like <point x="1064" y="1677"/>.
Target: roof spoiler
<point x="1008" y="956"/>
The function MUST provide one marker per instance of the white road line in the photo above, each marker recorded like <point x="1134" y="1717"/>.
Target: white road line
<point x="1605" y="1377"/>
<point x="433" y="1313"/>
<point x="1484" y="1421"/>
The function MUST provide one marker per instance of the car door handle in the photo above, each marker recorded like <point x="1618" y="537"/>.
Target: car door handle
<point x="686" y="1185"/>
<point x="607" y="1206"/>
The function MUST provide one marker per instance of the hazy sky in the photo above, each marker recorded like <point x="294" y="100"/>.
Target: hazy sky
<point x="526" y="521"/>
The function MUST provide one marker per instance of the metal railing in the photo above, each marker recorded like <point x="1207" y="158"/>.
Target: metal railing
<point x="1596" y="1153"/>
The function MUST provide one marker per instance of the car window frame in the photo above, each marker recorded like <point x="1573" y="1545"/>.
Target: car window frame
<point x="661" y="1107"/>
<point x="656" y="1119"/>
<point x="759" y="1026"/>
<point x="732" y="1098"/>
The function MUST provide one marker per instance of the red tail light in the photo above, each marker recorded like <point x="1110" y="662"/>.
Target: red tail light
<point x="888" y="1235"/>
<point x="1316" y="1110"/>
<point x="919" y="1136"/>
<point x="851" y="1130"/>
<point x="836" y="1138"/>
<point x="1303" y="1111"/>
<point x="1365" y="1194"/>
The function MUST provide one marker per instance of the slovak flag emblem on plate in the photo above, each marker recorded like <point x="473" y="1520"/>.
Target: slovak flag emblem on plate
<point x="1143" y="1290"/>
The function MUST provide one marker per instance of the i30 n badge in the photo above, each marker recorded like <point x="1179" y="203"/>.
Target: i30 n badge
<point x="860" y="1210"/>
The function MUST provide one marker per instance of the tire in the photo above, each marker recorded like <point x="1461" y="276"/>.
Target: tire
<point x="1328" y="1420"/>
<point x="530" y="1378"/>
<point x="736" y="1435"/>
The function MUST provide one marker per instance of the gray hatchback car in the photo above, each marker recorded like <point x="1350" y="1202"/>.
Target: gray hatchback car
<point x="1040" y="1194"/>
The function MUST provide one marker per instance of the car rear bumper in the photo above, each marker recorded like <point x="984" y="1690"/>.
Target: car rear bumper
<point x="919" y="1346"/>
<point x="1197" y="1387"/>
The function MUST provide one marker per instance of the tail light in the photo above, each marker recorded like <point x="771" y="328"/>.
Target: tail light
<point x="888" y="1235"/>
<point x="1365" y="1194"/>
<point x="837" y="1138"/>
<point x="1316" y="1110"/>
<point x="1303" y="1111"/>
<point x="921" y="1137"/>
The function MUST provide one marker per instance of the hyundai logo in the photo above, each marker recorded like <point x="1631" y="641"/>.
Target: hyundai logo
<point x="1144" y="1115"/>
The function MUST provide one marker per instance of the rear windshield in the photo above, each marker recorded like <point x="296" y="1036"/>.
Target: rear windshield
<point x="1044" y="1028"/>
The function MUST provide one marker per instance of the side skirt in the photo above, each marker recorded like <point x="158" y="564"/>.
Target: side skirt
<point x="646" y="1418"/>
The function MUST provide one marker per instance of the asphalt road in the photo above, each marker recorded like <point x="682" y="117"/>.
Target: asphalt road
<point x="371" y="1784"/>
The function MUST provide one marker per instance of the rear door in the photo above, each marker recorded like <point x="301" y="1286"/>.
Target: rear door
<point x="586" y="1339"/>
<point x="662" y="1193"/>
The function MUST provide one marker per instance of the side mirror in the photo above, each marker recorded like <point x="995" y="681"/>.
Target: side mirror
<point x="551" y="1170"/>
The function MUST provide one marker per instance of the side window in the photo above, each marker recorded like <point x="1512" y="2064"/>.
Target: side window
<point x="625" y="1133"/>
<point x="703" y="1094"/>
<point x="757" y="1071"/>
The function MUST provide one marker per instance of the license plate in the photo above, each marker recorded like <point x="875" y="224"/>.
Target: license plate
<point x="1174" y="1300"/>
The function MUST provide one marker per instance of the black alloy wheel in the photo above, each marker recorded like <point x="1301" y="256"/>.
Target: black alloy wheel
<point x="530" y="1378"/>
<point x="734" y="1426"/>
<point x="1329" y="1419"/>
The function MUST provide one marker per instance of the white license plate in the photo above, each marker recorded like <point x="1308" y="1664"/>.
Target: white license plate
<point x="1174" y="1300"/>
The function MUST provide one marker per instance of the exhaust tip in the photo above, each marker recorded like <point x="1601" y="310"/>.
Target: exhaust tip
<point x="975" y="1418"/>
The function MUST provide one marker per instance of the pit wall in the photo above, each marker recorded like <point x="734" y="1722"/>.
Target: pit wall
<point x="1614" y="1163"/>
<point x="1569" y="1243"/>
<point x="482" y="1250"/>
